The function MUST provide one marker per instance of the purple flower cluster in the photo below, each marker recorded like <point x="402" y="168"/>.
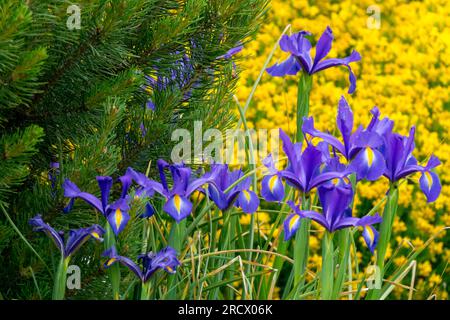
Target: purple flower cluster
<point x="369" y="154"/>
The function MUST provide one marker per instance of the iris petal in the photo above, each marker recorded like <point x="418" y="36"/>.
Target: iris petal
<point x="335" y="201"/>
<point x="178" y="207"/>
<point x="345" y="121"/>
<point x="370" y="235"/>
<point x="317" y="217"/>
<point x="369" y="220"/>
<point x="78" y="237"/>
<point x="291" y="225"/>
<point x="430" y="185"/>
<point x="328" y="63"/>
<point x="72" y="191"/>
<point x="368" y="164"/>
<point x="290" y="149"/>
<point x="308" y="127"/>
<point x="272" y="188"/>
<point x="352" y="80"/>
<point x="105" y="184"/>
<point x="323" y="46"/>
<point x="126" y="180"/>
<point x="298" y="46"/>
<point x="113" y="257"/>
<point x="148" y="212"/>
<point x="248" y="201"/>
<point x="290" y="66"/>
<point x="118" y="219"/>
<point x="218" y="197"/>
<point x="39" y="225"/>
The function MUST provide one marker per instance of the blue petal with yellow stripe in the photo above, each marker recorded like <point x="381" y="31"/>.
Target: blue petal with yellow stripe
<point x="368" y="164"/>
<point x="248" y="201"/>
<point x="430" y="185"/>
<point x="291" y="225"/>
<point x="118" y="216"/>
<point x="272" y="188"/>
<point x="80" y="236"/>
<point x="114" y="257"/>
<point x="370" y="235"/>
<point x="178" y="207"/>
<point x="177" y="203"/>
<point x="76" y="238"/>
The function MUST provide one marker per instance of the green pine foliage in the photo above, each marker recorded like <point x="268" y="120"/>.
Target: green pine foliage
<point x="76" y="97"/>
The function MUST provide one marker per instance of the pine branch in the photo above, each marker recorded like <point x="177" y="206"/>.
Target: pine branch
<point x="16" y="150"/>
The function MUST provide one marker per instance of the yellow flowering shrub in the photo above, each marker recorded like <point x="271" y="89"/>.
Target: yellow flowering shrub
<point x="404" y="71"/>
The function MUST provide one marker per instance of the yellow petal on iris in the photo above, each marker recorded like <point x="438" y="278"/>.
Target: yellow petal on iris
<point x="429" y="179"/>
<point x="177" y="202"/>
<point x="370" y="155"/>
<point x="272" y="181"/>
<point x="169" y="269"/>
<point x="95" y="235"/>
<point x="293" y="221"/>
<point x="110" y="261"/>
<point x="246" y="195"/>
<point x="371" y="234"/>
<point x="335" y="181"/>
<point x="118" y="217"/>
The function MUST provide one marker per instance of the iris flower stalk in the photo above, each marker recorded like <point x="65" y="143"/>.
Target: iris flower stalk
<point x="144" y="194"/>
<point x="336" y="199"/>
<point x="300" y="60"/>
<point x="250" y="153"/>
<point x="304" y="174"/>
<point x="116" y="214"/>
<point x="178" y="204"/>
<point x="400" y="163"/>
<point x="227" y="189"/>
<point x="67" y="247"/>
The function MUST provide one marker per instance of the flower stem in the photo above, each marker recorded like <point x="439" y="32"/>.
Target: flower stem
<point x="251" y="156"/>
<point x="304" y="90"/>
<point x="59" y="288"/>
<point x="343" y="240"/>
<point x="114" y="270"/>
<point x="176" y="237"/>
<point x="344" y="247"/>
<point x="301" y="245"/>
<point x="145" y="290"/>
<point x="390" y="210"/>
<point x="327" y="273"/>
<point x="301" y="248"/>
